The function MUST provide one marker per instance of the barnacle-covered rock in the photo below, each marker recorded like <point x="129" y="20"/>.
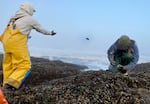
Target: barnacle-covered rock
<point x="67" y="84"/>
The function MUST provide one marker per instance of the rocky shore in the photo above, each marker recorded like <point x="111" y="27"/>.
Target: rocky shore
<point x="56" y="82"/>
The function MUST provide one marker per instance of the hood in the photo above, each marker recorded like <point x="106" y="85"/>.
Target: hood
<point x="28" y="8"/>
<point x="123" y="42"/>
<point x="25" y="10"/>
<point x="20" y="13"/>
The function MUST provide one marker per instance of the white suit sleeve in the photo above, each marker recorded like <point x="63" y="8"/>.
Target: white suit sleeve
<point x="39" y="28"/>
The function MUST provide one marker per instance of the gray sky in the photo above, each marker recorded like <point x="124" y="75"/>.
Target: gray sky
<point x="102" y="21"/>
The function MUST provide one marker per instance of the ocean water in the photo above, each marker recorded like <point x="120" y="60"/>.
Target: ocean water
<point x="93" y="60"/>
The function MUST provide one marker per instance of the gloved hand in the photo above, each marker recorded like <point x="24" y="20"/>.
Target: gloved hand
<point x="53" y="33"/>
<point x="122" y="68"/>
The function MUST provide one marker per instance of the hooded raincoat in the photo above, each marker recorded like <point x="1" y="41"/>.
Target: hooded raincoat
<point x="112" y="53"/>
<point x="16" y="60"/>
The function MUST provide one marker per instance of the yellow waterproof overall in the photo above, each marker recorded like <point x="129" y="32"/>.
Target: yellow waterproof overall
<point x="16" y="60"/>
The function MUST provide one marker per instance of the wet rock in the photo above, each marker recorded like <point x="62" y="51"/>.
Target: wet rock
<point x="63" y="85"/>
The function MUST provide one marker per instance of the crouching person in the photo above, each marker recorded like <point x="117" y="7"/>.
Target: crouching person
<point x="123" y="55"/>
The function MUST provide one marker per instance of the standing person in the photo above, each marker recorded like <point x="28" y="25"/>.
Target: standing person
<point x="16" y="60"/>
<point x="123" y="55"/>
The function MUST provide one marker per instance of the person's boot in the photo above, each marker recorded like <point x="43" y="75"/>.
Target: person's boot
<point x="8" y="88"/>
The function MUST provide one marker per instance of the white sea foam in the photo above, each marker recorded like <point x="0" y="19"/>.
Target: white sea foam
<point x="94" y="61"/>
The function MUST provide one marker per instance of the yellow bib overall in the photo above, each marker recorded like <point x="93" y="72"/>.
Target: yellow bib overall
<point x="16" y="60"/>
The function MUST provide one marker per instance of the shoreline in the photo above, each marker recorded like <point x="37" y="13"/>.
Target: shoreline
<point x="56" y="82"/>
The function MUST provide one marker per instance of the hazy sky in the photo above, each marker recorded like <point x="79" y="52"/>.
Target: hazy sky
<point x="102" y="21"/>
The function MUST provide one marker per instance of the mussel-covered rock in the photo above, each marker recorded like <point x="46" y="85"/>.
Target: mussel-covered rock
<point x="55" y="82"/>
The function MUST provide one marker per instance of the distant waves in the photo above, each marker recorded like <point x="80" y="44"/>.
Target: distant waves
<point x="93" y="63"/>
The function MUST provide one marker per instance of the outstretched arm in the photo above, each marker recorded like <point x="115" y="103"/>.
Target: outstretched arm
<point x="40" y="29"/>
